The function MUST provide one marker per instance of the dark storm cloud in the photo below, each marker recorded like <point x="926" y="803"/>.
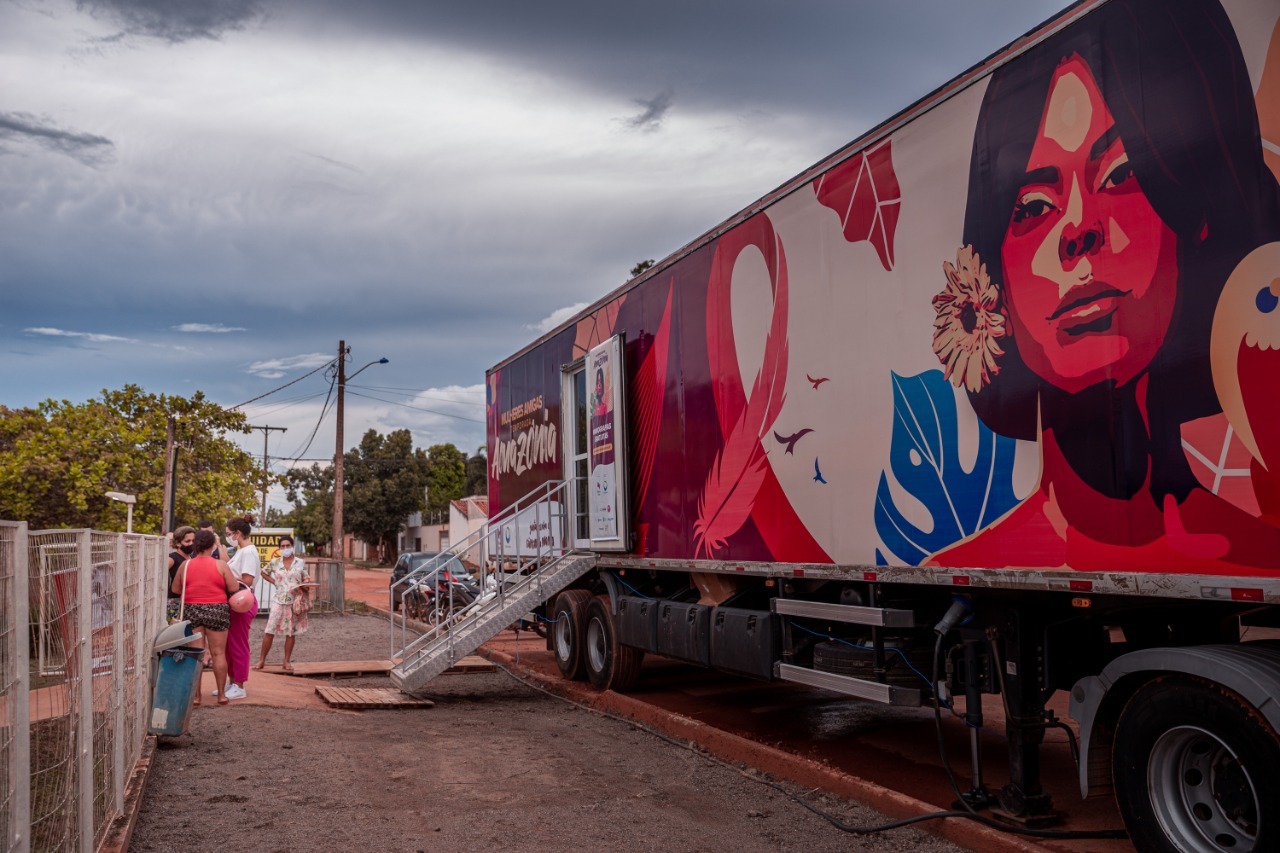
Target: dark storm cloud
<point x="174" y="20"/>
<point x="652" y="111"/>
<point x="88" y="148"/>
<point x="810" y="56"/>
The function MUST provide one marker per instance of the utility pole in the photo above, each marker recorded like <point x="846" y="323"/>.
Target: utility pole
<point x="170" y="475"/>
<point x="343" y="352"/>
<point x="266" y="471"/>
<point x="337" y="550"/>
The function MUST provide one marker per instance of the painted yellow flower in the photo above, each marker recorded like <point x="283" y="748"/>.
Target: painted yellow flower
<point x="967" y="328"/>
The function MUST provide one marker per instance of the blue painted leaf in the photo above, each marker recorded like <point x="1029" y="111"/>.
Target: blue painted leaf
<point x="924" y="459"/>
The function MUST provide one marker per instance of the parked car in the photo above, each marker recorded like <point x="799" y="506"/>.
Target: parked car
<point x="408" y="561"/>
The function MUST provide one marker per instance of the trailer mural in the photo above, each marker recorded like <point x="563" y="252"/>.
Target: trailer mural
<point x="1031" y="328"/>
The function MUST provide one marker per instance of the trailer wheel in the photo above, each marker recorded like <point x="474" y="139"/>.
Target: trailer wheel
<point x="569" y="616"/>
<point x="610" y="664"/>
<point x="1196" y="769"/>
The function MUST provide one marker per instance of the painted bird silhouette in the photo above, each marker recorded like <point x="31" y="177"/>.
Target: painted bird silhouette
<point x="818" y="381"/>
<point x="817" y="472"/>
<point x="790" y="440"/>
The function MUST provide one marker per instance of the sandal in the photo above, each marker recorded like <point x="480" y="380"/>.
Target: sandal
<point x="223" y="700"/>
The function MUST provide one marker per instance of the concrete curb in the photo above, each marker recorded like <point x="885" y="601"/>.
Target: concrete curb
<point x="776" y="762"/>
<point x="121" y="831"/>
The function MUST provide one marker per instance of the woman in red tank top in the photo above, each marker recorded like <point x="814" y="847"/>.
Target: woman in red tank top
<point x="208" y="583"/>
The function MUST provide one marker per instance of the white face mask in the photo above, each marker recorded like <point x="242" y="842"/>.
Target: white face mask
<point x="286" y="552"/>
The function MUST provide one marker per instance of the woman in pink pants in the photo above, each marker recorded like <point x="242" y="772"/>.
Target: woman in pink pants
<point x="245" y="565"/>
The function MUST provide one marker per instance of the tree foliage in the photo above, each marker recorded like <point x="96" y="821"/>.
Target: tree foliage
<point x="384" y="481"/>
<point x="387" y="479"/>
<point x="640" y="267"/>
<point x="446" y="477"/>
<point x="477" y="474"/>
<point x="310" y="490"/>
<point x="58" y="459"/>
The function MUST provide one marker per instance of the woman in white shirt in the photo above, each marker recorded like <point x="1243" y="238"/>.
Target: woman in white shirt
<point x="245" y="565"/>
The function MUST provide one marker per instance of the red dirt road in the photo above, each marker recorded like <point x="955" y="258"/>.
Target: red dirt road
<point x="889" y="748"/>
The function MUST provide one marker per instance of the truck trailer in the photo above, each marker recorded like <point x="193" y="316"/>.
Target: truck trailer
<point x="985" y="402"/>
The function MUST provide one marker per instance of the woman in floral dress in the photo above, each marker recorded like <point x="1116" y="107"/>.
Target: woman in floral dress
<point x="289" y="605"/>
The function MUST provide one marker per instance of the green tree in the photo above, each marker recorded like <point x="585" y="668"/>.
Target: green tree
<point x="310" y="490"/>
<point x="58" y="459"/>
<point x="446" y="477"/>
<point x="477" y="473"/>
<point x="639" y="268"/>
<point x="385" y="478"/>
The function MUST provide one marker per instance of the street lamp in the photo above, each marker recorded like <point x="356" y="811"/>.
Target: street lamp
<point x="337" y="456"/>
<point x="128" y="500"/>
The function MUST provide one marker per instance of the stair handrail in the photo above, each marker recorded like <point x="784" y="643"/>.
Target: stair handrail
<point x="447" y="632"/>
<point x="548" y="495"/>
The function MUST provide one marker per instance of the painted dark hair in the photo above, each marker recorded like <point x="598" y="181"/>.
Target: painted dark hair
<point x="1175" y="81"/>
<point x="242" y="525"/>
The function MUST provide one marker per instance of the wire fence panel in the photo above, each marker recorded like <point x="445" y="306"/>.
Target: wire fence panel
<point x="74" y="679"/>
<point x="104" y="563"/>
<point x="15" y="733"/>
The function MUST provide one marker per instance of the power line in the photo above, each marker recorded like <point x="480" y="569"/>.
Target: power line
<point x="284" y="386"/>
<point x="324" y="410"/>
<point x="285" y="404"/>
<point x="416" y="408"/>
<point x="415" y="392"/>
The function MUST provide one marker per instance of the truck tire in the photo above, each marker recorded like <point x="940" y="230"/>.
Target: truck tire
<point x="569" y="616"/>
<point x="1196" y="769"/>
<point x="610" y="665"/>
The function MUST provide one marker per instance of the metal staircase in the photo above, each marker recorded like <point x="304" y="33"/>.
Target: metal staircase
<point x="518" y="559"/>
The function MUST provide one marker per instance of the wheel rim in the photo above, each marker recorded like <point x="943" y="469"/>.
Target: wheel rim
<point x="563" y="634"/>
<point x="595" y="645"/>
<point x="1201" y="793"/>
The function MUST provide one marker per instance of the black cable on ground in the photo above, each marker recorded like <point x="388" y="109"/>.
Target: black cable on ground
<point x="832" y="819"/>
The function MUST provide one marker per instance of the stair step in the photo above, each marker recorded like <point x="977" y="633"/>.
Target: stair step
<point x="887" y="694"/>
<point x="882" y="616"/>
<point x="438" y="653"/>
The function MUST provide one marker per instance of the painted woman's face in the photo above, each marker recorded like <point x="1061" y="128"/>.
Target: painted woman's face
<point x="1090" y="269"/>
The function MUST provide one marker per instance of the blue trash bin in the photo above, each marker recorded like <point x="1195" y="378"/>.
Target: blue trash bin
<point x="175" y="679"/>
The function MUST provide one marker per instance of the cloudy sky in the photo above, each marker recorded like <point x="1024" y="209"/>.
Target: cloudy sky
<point x="209" y="194"/>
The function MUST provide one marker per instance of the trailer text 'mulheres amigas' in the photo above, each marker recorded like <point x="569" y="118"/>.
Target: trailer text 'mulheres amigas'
<point x="999" y="380"/>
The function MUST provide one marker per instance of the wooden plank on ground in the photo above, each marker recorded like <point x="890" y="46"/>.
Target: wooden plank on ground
<point x="326" y="669"/>
<point x="471" y="663"/>
<point x="369" y="698"/>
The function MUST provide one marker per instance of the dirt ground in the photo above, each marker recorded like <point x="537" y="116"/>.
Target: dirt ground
<point x="495" y="765"/>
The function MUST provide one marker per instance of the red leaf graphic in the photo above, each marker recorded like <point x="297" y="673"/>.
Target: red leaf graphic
<point x="864" y="191"/>
<point x="648" y="393"/>
<point x="740" y="468"/>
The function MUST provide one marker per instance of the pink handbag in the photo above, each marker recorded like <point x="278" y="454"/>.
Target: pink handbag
<point x="243" y="601"/>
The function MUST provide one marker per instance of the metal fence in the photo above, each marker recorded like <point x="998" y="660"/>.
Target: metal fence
<point x="330" y="595"/>
<point x="78" y="609"/>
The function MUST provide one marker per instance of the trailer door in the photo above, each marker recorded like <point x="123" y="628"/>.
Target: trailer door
<point x="596" y="448"/>
<point x="576" y="449"/>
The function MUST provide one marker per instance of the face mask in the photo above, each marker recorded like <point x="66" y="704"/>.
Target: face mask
<point x="286" y="552"/>
<point x="186" y="549"/>
<point x="231" y="542"/>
